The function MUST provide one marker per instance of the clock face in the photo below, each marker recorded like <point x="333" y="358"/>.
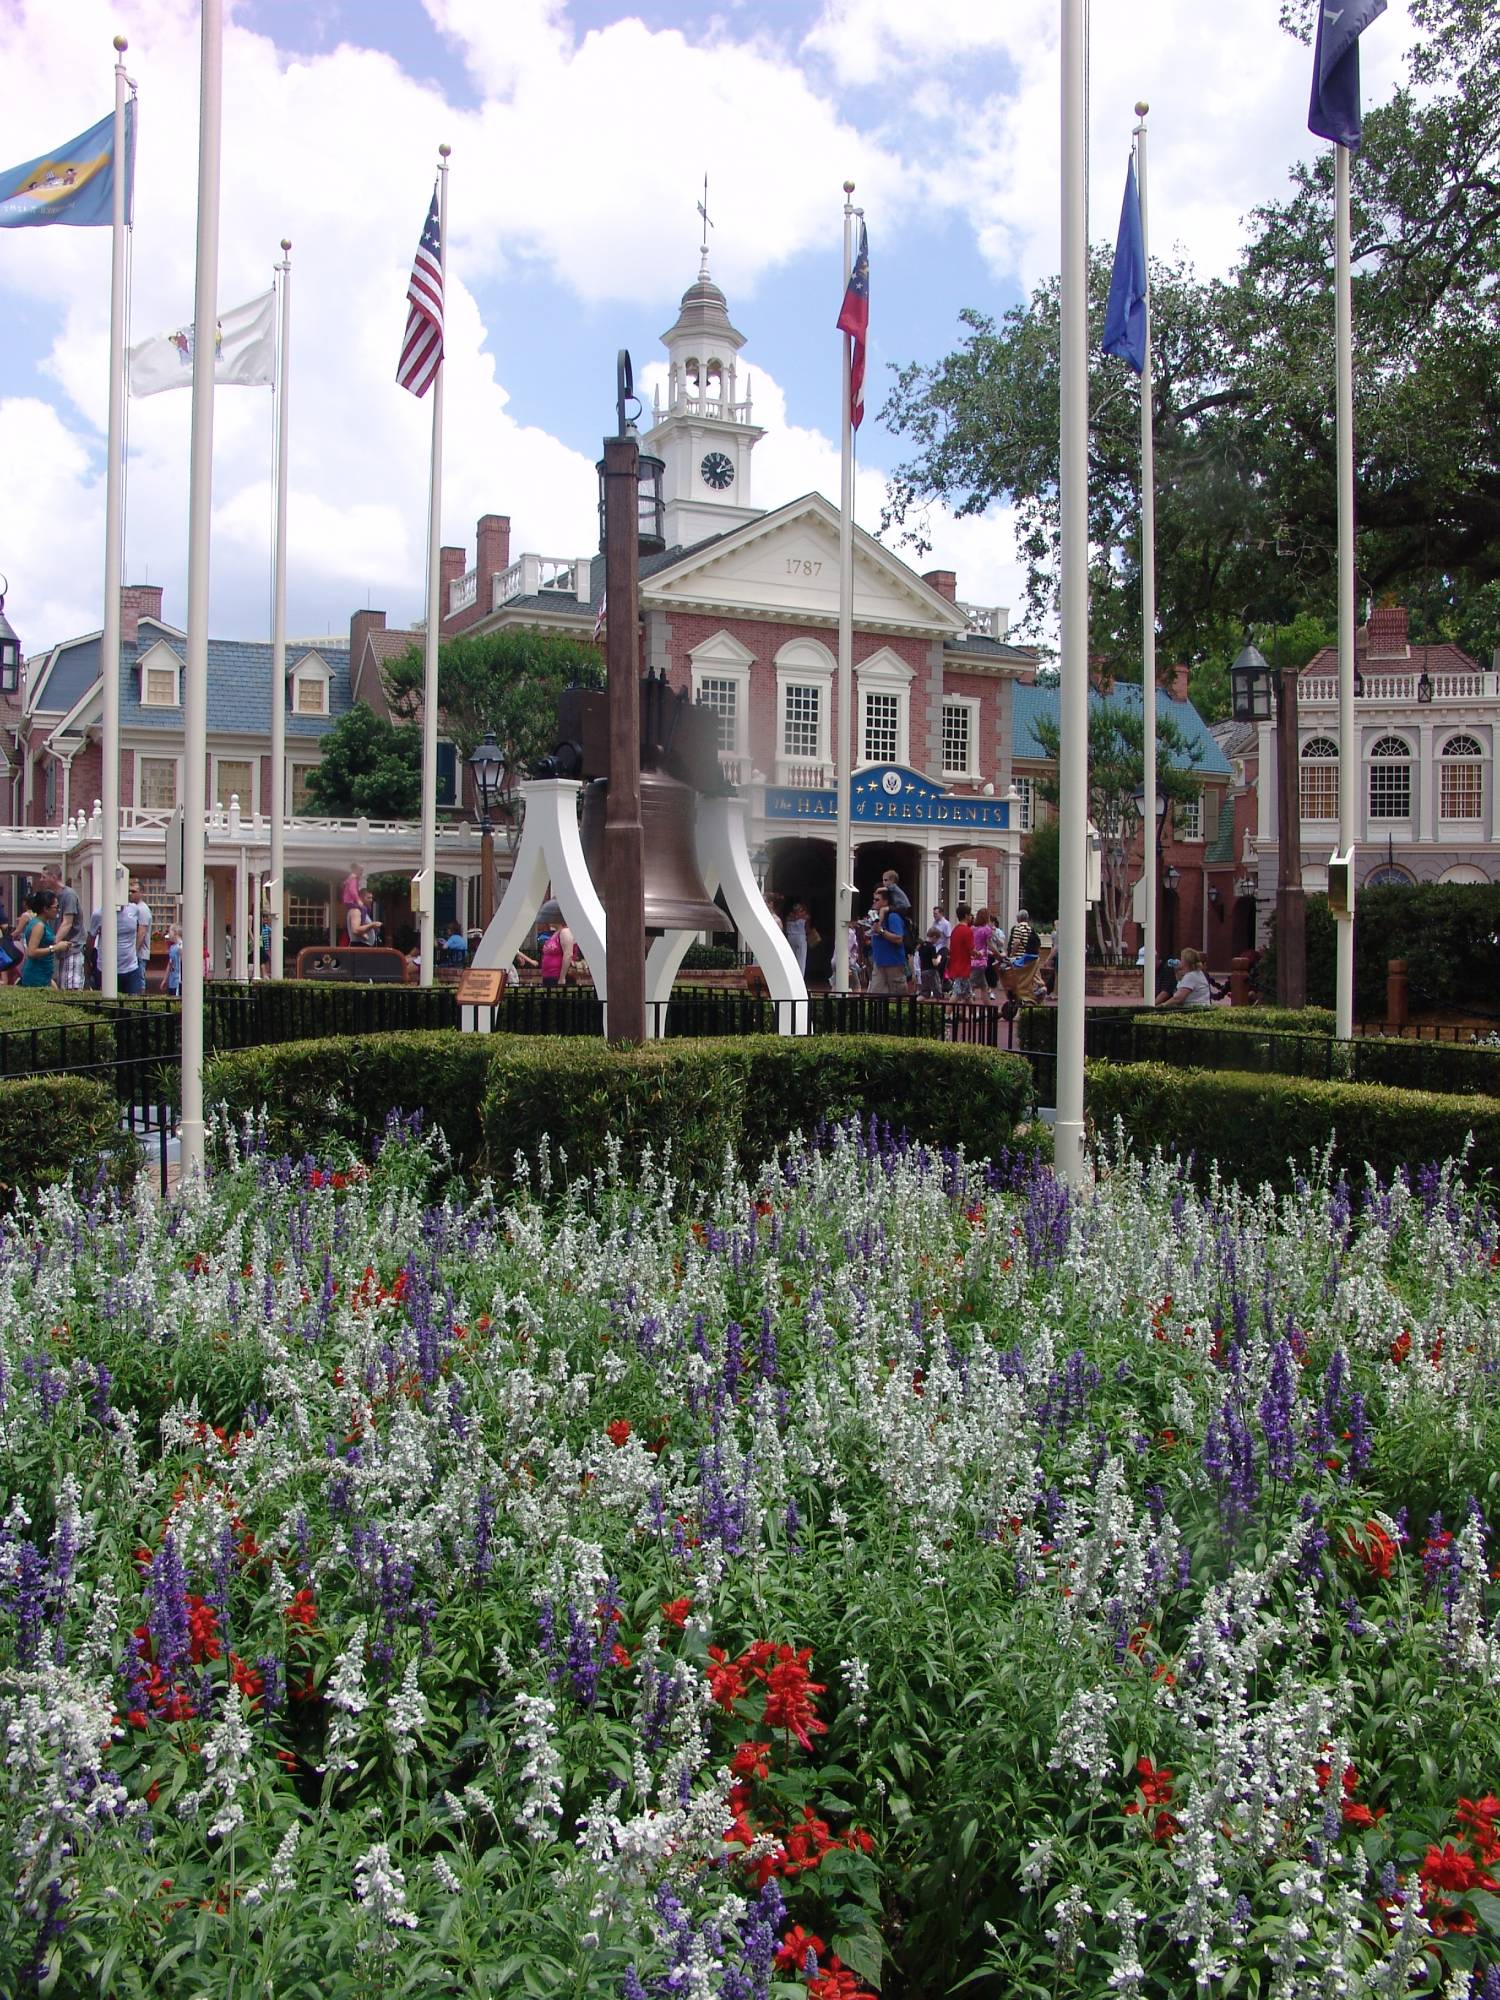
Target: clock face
<point x="717" y="471"/>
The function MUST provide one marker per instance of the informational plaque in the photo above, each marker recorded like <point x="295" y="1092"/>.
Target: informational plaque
<point x="481" y="989"/>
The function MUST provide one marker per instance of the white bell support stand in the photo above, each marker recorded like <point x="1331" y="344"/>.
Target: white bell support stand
<point x="724" y="858"/>
<point x="550" y="851"/>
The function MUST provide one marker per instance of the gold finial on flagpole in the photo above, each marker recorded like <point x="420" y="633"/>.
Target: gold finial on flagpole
<point x="121" y="45"/>
<point x="1142" y="107"/>
<point x="444" y="151"/>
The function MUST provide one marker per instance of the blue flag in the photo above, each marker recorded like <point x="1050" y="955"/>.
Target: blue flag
<point x="1334" y="111"/>
<point x="1125" y="315"/>
<point x="76" y="184"/>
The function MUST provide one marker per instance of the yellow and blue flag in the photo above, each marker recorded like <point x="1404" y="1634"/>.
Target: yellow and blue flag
<point x="75" y="184"/>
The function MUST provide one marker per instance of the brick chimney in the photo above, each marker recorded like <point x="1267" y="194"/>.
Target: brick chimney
<point x="452" y="564"/>
<point x="1386" y="634"/>
<point x="137" y="601"/>
<point x="1174" y="681"/>
<point x="361" y="625"/>
<point x="944" y="582"/>
<point x="491" y="552"/>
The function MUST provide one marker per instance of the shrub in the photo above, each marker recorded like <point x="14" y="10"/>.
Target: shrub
<point x="1254" y="1126"/>
<point x="61" y="1128"/>
<point x="499" y="1095"/>
<point x="42" y="1029"/>
<point x="1446" y="932"/>
<point x="344" y="1085"/>
<point x="710" y="958"/>
<point x="1445" y="1066"/>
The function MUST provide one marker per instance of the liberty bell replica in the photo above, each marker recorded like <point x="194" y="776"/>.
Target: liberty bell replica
<point x="679" y="763"/>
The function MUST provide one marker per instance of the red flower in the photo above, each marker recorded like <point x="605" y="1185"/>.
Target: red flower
<point x="250" y="1683"/>
<point x="1446" y="1868"/>
<point x="1164" y="1826"/>
<point x="1477" y="1818"/>
<point x="302" y="1610"/>
<point x="618" y="1432"/>
<point x="726" y="1678"/>
<point x="789" y="1696"/>
<point x="792" y="1956"/>
<point x="758" y="1657"/>
<point x="1373" y="1547"/>
<point x="1400" y="1348"/>
<point x="1357" y="1814"/>
<point x="677" y="1611"/>
<point x="1155" y="1782"/>
<point x="619" y="1655"/>
<point x="837" y="1983"/>
<point x="203" y="1630"/>
<point x="749" y="1760"/>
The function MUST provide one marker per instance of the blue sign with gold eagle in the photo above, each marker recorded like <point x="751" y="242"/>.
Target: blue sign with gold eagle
<point x="891" y="795"/>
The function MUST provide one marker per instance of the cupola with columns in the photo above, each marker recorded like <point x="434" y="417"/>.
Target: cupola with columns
<point x="703" y="431"/>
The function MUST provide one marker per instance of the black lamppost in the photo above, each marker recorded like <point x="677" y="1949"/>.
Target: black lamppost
<point x="630" y="526"/>
<point x="1170" y="877"/>
<point x="10" y="648"/>
<point x="488" y="766"/>
<point x="1254" y="686"/>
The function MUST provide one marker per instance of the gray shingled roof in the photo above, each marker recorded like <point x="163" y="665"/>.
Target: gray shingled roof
<point x="239" y="687"/>
<point x="74" y="673"/>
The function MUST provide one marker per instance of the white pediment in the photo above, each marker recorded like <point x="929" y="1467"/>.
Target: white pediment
<point x="786" y="566"/>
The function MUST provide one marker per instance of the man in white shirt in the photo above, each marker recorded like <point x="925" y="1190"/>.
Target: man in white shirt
<point x="132" y="936"/>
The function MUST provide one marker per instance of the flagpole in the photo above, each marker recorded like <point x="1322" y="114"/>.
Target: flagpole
<point x="1149" y="821"/>
<point x="114" y="492"/>
<point x="200" y="508"/>
<point x="278" y="638"/>
<point x="427" y="917"/>
<point x="843" y="862"/>
<point x="1074" y="606"/>
<point x="1349" y="759"/>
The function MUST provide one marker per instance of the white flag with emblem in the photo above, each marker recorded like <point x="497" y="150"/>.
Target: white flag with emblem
<point x="244" y="352"/>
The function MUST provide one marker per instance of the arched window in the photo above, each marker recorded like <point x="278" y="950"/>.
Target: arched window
<point x="1461" y="779"/>
<point x="1390" y="778"/>
<point x="1320" y="779"/>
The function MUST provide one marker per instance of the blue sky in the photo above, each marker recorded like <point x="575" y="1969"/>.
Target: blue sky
<point x="581" y="130"/>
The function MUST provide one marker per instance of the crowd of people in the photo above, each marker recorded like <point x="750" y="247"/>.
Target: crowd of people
<point x="49" y="944"/>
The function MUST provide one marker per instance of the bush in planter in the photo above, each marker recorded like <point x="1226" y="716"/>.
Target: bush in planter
<point x="710" y="958"/>
<point x="1267" y="1128"/>
<point x="61" y="1128"/>
<point x="499" y="1095"/>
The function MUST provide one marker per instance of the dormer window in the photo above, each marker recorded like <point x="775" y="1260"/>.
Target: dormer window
<point x="309" y="681"/>
<point x="161" y="672"/>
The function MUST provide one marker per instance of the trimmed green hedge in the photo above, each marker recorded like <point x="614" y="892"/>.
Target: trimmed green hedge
<point x="42" y="1028"/>
<point x="1036" y="1027"/>
<point x="499" y="1095"/>
<point x="1457" y="1067"/>
<point x="61" y="1128"/>
<point x="1253" y="1126"/>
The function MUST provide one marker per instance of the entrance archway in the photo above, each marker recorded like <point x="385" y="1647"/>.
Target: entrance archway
<point x="873" y="857"/>
<point x="801" y="871"/>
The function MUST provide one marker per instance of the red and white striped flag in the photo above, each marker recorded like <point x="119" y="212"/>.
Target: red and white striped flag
<point x="603" y="619"/>
<point x="422" y="349"/>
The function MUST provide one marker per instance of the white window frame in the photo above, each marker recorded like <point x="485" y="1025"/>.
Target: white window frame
<point x="885" y="673"/>
<point x="295" y="764"/>
<point x="143" y="757"/>
<point x="723" y="658"/>
<point x="303" y="914"/>
<point x="160" y="659"/>
<point x="249" y="801"/>
<point x="1026" y="812"/>
<point x="1374" y="763"/>
<point x="963" y="886"/>
<point x="1314" y="758"/>
<point x="1455" y="761"/>
<point x="1190" y="818"/>
<point x="889" y="725"/>
<point x="970" y="769"/>
<point x="805" y="663"/>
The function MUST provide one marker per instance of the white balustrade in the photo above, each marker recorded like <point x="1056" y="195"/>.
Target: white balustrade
<point x="463" y="592"/>
<point x="988" y="621"/>
<point x="801" y="774"/>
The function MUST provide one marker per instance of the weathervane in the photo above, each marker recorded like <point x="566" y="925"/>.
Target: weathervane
<point x="707" y="224"/>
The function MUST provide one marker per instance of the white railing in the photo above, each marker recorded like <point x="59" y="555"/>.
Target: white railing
<point x="541" y="576"/>
<point x="227" y="825"/>
<point x="738" y="770"/>
<point x="989" y="621"/>
<point x="803" y="774"/>
<point x="702" y="406"/>
<point x="1400" y="690"/>
<point x="463" y="593"/>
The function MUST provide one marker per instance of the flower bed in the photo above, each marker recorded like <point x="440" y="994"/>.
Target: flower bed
<point x="897" y="1572"/>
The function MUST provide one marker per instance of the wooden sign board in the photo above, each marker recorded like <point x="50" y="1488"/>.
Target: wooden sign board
<point x="480" y="989"/>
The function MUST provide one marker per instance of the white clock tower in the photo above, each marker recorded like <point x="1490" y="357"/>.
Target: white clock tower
<point x="703" y="433"/>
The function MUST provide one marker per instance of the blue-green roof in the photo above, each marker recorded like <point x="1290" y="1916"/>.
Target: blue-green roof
<point x="1202" y="753"/>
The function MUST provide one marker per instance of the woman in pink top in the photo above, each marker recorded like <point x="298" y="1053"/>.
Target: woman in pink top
<point x="984" y="930"/>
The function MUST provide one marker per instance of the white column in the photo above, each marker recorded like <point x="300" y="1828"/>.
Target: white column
<point x="1424" y="819"/>
<point x="278" y="635"/>
<point x="1012" y="885"/>
<point x="200" y="509"/>
<point x="1073" y="602"/>
<point x="239" y="952"/>
<point x="256" y="880"/>
<point x="114" y="487"/>
<point x="932" y="889"/>
<point x="1148" y="587"/>
<point x="1349" y="762"/>
<point x="427" y="918"/>
<point x="843" y="861"/>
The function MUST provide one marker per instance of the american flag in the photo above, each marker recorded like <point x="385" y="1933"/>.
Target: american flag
<point x="422" y="349"/>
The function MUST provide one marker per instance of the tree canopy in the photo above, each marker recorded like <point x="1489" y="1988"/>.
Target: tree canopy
<point x="1243" y="396"/>
<point x="506" y="681"/>
<point x="368" y="767"/>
